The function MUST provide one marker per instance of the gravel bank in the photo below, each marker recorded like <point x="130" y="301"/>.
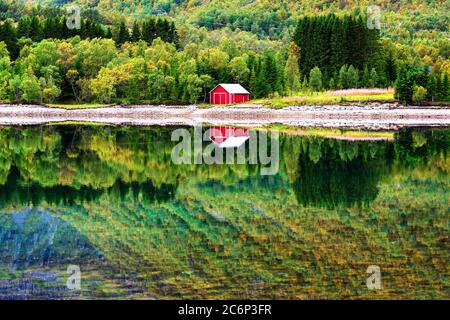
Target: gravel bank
<point x="383" y="116"/>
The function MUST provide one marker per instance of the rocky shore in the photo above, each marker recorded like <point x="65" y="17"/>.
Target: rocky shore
<point x="377" y="116"/>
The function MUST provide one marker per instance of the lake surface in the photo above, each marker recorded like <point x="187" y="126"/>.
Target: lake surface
<point x="111" y="203"/>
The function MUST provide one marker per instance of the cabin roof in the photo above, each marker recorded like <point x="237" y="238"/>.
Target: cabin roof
<point x="234" y="88"/>
<point x="232" y="142"/>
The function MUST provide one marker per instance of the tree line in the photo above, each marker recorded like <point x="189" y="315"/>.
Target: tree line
<point x="55" y="27"/>
<point x="41" y="60"/>
<point x="416" y="84"/>
<point x="97" y="70"/>
<point x="129" y="161"/>
<point x="329" y="42"/>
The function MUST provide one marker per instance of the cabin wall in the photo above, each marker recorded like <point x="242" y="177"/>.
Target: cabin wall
<point x="238" y="98"/>
<point x="220" y="96"/>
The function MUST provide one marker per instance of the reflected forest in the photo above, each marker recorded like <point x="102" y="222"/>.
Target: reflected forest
<point x="111" y="200"/>
<point x="71" y="165"/>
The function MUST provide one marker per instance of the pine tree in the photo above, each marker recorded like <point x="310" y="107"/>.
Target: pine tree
<point x="431" y="87"/>
<point x="263" y="87"/>
<point x="161" y="29"/>
<point x="291" y="69"/>
<point x="365" y="78"/>
<point x="353" y="77"/>
<point x="329" y="42"/>
<point x="337" y="50"/>
<point x="335" y="79"/>
<point x="270" y="74"/>
<point x="108" y="33"/>
<point x="390" y="69"/>
<point x="331" y="84"/>
<point x="136" y="32"/>
<point x="8" y="35"/>
<point x="446" y="88"/>
<point x="149" y="31"/>
<point x="253" y="85"/>
<point x="123" y="34"/>
<point x="406" y="81"/>
<point x="35" y="29"/>
<point x="343" y="77"/>
<point x="439" y="89"/>
<point x="373" y="82"/>
<point x="315" y="79"/>
<point x="24" y="27"/>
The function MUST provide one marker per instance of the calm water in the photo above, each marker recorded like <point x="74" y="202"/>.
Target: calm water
<point x="111" y="201"/>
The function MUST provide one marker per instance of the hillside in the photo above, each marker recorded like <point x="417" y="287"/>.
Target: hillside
<point x="282" y="48"/>
<point x="273" y="18"/>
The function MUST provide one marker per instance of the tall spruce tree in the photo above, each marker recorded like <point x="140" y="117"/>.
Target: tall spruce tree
<point x="35" y="29"/>
<point x="9" y="37"/>
<point x="329" y="42"/>
<point x="123" y="34"/>
<point x="439" y="87"/>
<point x="136" y="32"/>
<point x="446" y="88"/>
<point x="291" y="69"/>
<point x="431" y="87"/>
<point x="315" y="79"/>
<point x="365" y="77"/>
<point x="270" y="73"/>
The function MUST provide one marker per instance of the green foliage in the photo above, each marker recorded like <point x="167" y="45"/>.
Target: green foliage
<point x="329" y="42"/>
<point x="353" y="77"/>
<point x="201" y="231"/>
<point x="417" y="84"/>
<point x="315" y="79"/>
<point x="31" y="89"/>
<point x="246" y="43"/>
<point x="419" y="94"/>
<point x="54" y="27"/>
<point x="373" y="78"/>
<point x="409" y="76"/>
<point x="446" y="88"/>
<point x="291" y="69"/>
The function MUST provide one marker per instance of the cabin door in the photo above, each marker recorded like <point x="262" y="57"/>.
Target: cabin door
<point x="220" y="98"/>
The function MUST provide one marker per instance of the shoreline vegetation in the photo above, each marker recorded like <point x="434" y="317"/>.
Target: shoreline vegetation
<point x="158" y="62"/>
<point x="348" y="97"/>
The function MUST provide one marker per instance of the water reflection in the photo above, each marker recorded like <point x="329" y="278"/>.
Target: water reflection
<point x="36" y="247"/>
<point x="111" y="200"/>
<point x="16" y="192"/>
<point x="229" y="137"/>
<point x="334" y="173"/>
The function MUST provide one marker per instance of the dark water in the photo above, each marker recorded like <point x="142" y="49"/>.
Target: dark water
<point x="111" y="201"/>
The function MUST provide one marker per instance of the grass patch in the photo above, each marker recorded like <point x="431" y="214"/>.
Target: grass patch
<point x="79" y="106"/>
<point x="330" y="132"/>
<point x="301" y="99"/>
<point x="322" y="98"/>
<point x="80" y="123"/>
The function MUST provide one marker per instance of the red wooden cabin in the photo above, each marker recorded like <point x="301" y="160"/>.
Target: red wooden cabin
<point x="226" y="93"/>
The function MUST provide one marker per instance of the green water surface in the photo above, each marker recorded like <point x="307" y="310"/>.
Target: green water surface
<point x="111" y="201"/>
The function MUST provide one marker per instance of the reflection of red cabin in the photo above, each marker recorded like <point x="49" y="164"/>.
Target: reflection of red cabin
<point x="226" y="93"/>
<point x="228" y="137"/>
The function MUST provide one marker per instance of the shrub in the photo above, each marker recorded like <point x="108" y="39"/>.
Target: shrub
<point x="419" y="94"/>
<point x="315" y="79"/>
